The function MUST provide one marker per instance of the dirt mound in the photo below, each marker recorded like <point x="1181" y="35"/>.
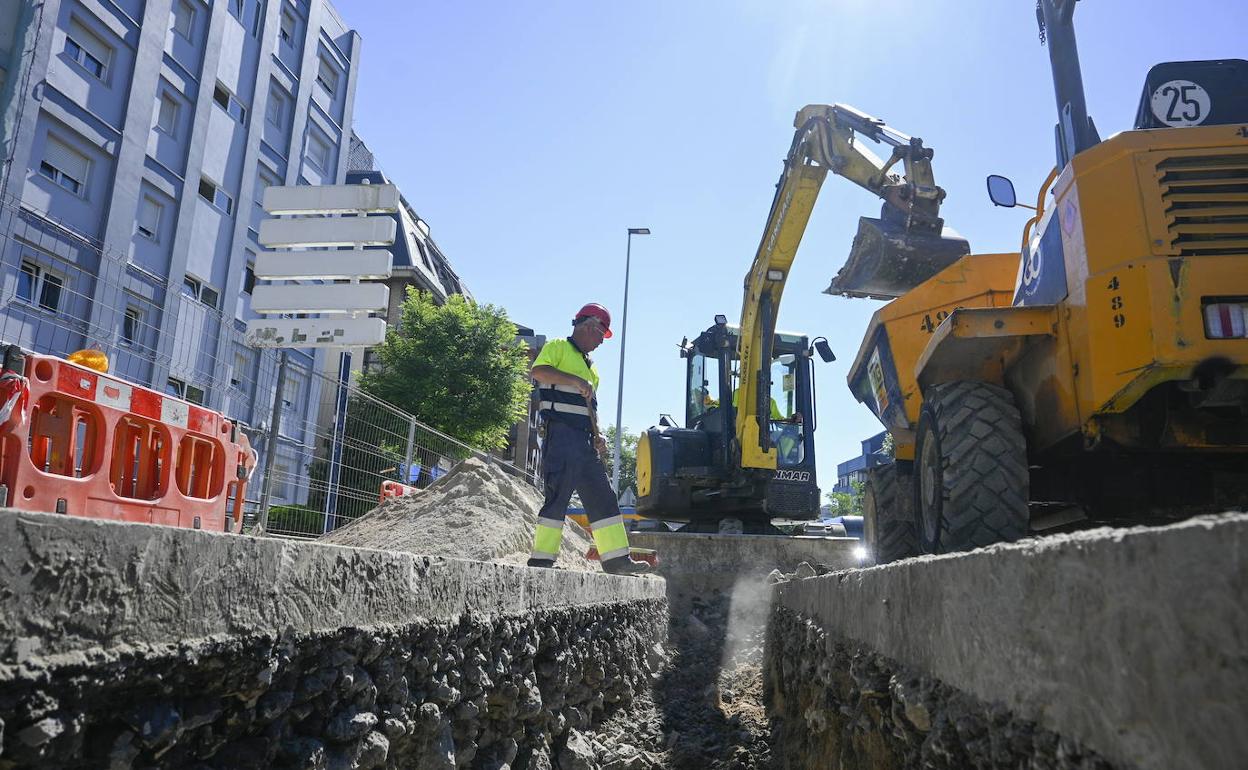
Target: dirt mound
<point x="476" y="511"/>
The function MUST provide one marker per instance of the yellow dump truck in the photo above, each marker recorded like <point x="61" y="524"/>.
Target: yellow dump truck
<point x="1100" y="373"/>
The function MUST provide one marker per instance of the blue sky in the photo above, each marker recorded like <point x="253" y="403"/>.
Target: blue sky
<point x="531" y="135"/>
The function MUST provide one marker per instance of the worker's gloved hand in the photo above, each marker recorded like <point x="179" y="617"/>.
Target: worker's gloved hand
<point x="625" y="565"/>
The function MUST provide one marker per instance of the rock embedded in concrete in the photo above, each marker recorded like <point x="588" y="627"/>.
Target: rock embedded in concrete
<point x="829" y="697"/>
<point x="1103" y="646"/>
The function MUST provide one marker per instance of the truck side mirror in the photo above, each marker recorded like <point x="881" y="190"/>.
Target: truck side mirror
<point x="825" y="351"/>
<point x="1001" y="191"/>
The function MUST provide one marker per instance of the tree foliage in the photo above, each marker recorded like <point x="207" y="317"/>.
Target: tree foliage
<point x="847" y="503"/>
<point x="628" y="468"/>
<point x="456" y="367"/>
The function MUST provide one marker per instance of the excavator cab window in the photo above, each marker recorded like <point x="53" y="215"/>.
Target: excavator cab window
<point x="786" y="420"/>
<point x="702" y="404"/>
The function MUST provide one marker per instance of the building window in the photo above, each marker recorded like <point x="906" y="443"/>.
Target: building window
<point x="215" y="195"/>
<point x="38" y="285"/>
<point x="194" y="395"/>
<point x="249" y="278"/>
<point x="264" y="180"/>
<point x="241" y="365"/>
<point x="293" y="392"/>
<point x="200" y="291"/>
<point x="65" y="166"/>
<point x="174" y="387"/>
<point x="275" y="110"/>
<point x="327" y="76"/>
<point x="318" y="152"/>
<point x="132" y="326"/>
<point x="184" y="19"/>
<point x="87" y="50"/>
<point x="238" y="10"/>
<point x="149" y="219"/>
<point x="286" y="30"/>
<point x="167" y="115"/>
<point x="281" y="472"/>
<point x="230" y="103"/>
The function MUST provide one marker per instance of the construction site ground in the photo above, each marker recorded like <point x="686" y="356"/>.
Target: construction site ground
<point x="139" y="646"/>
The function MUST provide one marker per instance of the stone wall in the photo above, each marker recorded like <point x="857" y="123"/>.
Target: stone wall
<point x="136" y="646"/>
<point x="1127" y="643"/>
<point x="835" y="704"/>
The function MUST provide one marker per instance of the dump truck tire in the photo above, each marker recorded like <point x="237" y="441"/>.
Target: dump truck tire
<point x="971" y="480"/>
<point x="888" y="517"/>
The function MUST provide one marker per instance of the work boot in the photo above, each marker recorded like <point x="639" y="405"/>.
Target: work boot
<point x="547" y="563"/>
<point x="625" y="565"/>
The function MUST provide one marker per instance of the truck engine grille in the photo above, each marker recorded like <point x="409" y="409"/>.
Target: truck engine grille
<point x="1205" y="199"/>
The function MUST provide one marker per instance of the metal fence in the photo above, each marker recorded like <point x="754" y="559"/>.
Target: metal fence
<point x="331" y="446"/>
<point x="359" y="442"/>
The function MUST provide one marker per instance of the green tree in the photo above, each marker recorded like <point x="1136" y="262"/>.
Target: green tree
<point x="457" y="367"/>
<point x="847" y="503"/>
<point x="628" y="468"/>
<point x="888" y="447"/>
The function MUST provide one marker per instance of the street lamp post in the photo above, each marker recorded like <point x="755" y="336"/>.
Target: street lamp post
<point x="619" y="393"/>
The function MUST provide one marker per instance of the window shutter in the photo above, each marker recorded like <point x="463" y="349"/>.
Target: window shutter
<point x="149" y="215"/>
<point x="90" y="42"/>
<point x="70" y="162"/>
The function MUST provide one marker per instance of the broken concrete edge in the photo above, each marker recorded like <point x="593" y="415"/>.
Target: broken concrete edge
<point x="1127" y="641"/>
<point x="70" y="584"/>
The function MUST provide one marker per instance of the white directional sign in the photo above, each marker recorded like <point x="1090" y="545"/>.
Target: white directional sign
<point x="322" y="265"/>
<point x="315" y="332"/>
<point x="332" y="199"/>
<point x="312" y="217"/>
<point x="307" y="232"/>
<point x="320" y="298"/>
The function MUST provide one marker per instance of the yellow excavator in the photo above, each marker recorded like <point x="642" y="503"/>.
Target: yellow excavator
<point x="746" y="453"/>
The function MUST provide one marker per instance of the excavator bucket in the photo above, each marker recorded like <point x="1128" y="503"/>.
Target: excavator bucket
<point x="887" y="260"/>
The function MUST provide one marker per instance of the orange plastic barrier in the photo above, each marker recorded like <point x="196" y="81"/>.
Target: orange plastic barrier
<point x="89" y="444"/>
<point x="395" y="489"/>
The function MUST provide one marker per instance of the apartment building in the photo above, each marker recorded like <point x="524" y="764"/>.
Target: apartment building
<point x="138" y="139"/>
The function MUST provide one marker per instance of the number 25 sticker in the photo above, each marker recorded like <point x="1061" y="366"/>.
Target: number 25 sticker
<point x="1179" y="103"/>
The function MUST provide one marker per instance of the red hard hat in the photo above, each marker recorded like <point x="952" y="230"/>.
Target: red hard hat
<point x="594" y="310"/>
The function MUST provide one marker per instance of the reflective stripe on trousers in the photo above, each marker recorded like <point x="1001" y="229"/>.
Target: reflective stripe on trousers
<point x="570" y="464"/>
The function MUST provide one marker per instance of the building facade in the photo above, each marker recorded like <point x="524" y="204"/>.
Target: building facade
<point x="854" y="471"/>
<point x="138" y="139"/>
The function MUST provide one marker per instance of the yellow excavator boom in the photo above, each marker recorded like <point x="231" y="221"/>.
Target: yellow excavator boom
<point x="826" y="141"/>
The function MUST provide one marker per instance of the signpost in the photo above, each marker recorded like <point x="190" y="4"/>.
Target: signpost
<point x="321" y="239"/>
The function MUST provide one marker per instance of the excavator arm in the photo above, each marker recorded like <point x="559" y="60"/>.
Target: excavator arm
<point x="826" y="141"/>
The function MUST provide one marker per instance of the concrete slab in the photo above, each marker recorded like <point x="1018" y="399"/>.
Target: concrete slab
<point x="69" y="583"/>
<point x="698" y="565"/>
<point x="1131" y="642"/>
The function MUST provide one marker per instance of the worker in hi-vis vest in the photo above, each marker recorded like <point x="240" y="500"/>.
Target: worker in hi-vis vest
<point x="571" y="453"/>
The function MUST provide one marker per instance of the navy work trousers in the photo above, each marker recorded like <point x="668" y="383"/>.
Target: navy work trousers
<point x="571" y="464"/>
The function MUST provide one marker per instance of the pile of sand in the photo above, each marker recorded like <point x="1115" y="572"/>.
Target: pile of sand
<point x="476" y="511"/>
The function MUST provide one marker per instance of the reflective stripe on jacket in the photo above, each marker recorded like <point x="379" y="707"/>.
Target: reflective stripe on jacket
<point x="563" y="402"/>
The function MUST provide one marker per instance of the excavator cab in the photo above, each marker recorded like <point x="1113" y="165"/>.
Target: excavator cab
<point x="713" y="381"/>
<point x="694" y="473"/>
